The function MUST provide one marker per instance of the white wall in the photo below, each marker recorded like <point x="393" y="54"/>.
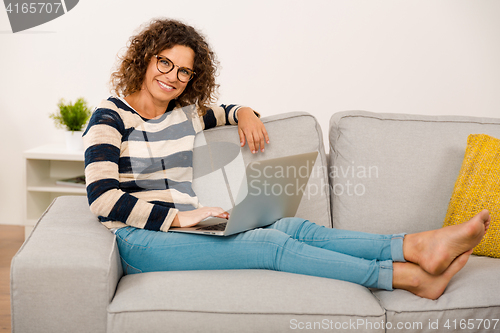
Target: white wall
<point x="321" y="56"/>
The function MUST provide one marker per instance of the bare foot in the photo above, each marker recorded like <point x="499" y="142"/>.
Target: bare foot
<point x="435" y="250"/>
<point x="411" y="277"/>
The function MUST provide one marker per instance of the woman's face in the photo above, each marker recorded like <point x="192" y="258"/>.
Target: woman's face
<point x="165" y="87"/>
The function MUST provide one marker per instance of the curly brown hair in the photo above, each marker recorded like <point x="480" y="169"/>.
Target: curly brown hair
<point x="159" y="35"/>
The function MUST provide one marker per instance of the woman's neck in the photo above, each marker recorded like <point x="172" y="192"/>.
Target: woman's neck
<point x="146" y="107"/>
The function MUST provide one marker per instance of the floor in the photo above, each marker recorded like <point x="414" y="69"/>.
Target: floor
<point x="11" y="239"/>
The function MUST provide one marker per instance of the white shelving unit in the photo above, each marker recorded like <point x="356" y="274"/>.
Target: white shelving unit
<point x="44" y="166"/>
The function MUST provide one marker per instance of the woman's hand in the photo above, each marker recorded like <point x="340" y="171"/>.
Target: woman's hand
<point x="252" y="129"/>
<point x="193" y="217"/>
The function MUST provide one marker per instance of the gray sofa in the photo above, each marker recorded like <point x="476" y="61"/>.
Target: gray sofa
<point x="385" y="173"/>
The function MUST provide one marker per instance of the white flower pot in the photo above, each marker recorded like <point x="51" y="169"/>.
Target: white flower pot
<point x="74" y="140"/>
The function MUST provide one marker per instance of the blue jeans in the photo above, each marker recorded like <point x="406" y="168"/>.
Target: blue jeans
<point x="290" y="245"/>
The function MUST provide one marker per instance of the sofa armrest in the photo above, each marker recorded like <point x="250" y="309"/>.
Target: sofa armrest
<point x="66" y="273"/>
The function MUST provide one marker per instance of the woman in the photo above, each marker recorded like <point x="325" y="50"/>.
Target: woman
<point x="139" y="172"/>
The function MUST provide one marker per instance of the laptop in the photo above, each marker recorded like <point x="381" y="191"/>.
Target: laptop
<point x="271" y="190"/>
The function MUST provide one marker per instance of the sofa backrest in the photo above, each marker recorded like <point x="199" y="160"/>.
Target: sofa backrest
<point x="289" y="134"/>
<point x="395" y="173"/>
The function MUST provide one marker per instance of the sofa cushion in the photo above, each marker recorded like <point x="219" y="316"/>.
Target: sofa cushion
<point x="478" y="188"/>
<point x="394" y="173"/>
<point x="289" y="134"/>
<point x="471" y="298"/>
<point x="239" y="301"/>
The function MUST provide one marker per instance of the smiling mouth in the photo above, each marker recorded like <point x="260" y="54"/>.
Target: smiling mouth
<point x="165" y="86"/>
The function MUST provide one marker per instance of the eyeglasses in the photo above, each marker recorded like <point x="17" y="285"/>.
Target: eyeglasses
<point x="165" y="65"/>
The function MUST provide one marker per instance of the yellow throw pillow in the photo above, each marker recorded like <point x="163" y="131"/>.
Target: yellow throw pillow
<point x="478" y="188"/>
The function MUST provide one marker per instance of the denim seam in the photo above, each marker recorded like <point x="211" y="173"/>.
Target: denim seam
<point x="125" y="240"/>
<point x="299" y="229"/>
<point x="385" y="271"/>
<point x="135" y="268"/>
<point x="337" y="261"/>
<point x="343" y="238"/>
<point x="309" y="257"/>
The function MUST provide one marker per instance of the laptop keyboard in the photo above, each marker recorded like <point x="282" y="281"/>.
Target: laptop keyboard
<point x="216" y="227"/>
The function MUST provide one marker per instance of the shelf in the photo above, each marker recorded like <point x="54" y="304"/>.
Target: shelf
<point x="45" y="165"/>
<point x="54" y="152"/>
<point x="49" y="185"/>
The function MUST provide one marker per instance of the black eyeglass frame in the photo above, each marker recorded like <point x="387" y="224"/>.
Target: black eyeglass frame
<point x="158" y="57"/>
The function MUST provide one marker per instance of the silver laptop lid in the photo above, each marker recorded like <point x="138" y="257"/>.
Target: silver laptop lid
<point x="272" y="190"/>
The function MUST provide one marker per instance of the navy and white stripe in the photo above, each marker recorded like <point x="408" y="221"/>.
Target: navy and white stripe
<point x="139" y="171"/>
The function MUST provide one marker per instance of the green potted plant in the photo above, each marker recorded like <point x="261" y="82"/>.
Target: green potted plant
<point x="73" y="118"/>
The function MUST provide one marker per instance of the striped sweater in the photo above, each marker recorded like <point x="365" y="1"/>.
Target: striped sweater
<point x="139" y="171"/>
